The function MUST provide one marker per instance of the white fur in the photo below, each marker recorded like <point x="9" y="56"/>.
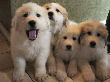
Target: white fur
<point x="22" y="49"/>
<point x="72" y="22"/>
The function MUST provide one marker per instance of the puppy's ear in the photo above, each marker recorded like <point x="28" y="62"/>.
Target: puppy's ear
<point x="66" y="21"/>
<point x="14" y="22"/>
<point x="81" y="36"/>
<point x="79" y="39"/>
<point x="105" y="35"/>
<point x="106" y="39"/>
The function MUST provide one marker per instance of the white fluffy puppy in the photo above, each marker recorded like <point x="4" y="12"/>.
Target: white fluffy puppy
<point x="93" y="42"/>
<point x="57" y="15"/>
<point x="66" y="49"/>
<point x="59" y="19"/>
<point x="30" y="40"/>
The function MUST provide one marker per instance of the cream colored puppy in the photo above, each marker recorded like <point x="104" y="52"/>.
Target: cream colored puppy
<point x="66" y="49"/>
<point x="93" y="42"/>
<point x="30" y="40"/>
<point x="58" y="20"/>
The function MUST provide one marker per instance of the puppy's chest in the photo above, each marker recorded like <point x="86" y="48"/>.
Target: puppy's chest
<point x="66" y="56"/>
<point x="30" y="49"/>
<point x="92" y="55"/>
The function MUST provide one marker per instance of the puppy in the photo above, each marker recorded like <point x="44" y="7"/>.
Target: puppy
<point x="30" y="30"/>
<point x="58" y="19"/>
<point x="66" y="49"/>
<point x="92" y="49"/>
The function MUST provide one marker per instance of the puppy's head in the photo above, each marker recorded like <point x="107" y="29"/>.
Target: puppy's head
<point x="93" y="34"/>
<point x="68" y="39"/>
<point x="31" y="19"/>
<point x="57" y="15"/>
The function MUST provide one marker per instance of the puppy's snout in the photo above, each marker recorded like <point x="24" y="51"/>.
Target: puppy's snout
<point x="32" y="23"/>
<point x="92" y="44"/>
<point x="68" y="47"/>
<point x="50" y="14"/>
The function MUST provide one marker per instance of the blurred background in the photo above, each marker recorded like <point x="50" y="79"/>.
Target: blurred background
<point x="78" y="10"/>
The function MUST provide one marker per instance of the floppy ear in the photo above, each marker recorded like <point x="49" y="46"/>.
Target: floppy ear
<point x="79" y="39"/>
<point x="66" y="21"/>
<point x="105" y="35"/>
<point x="15" y="22"/>
<point x="81" y="36"/>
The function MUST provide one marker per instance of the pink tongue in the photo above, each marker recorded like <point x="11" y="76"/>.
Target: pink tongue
<point x="32" y="35"/>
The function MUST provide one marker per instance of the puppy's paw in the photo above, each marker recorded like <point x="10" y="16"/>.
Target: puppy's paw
<point x="18" y="76"/>
<point x="41" y="77"/>
<point x="71" y="73"/>
<point x="61" y="76"/>
<point x="52" y="70"/>
<point x="103" y="75"/>
<point x="88" y="77"/>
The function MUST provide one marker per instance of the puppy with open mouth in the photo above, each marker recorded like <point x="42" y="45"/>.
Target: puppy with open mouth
<point x="93" y="49"/>
<point x="58" y="20"/>
<point x="30" y="40"/>
<point x="66" y="49"/>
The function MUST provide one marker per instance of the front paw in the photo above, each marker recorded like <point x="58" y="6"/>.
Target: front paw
<point x="103" y="75"/>
<point x="89" y="77"/>
<point x="41" y="77"/>
<point x="18" y="76"/>
<point x="72" y="73"/>
<point x="61" y="76"/>
<point x="52" y="69"/>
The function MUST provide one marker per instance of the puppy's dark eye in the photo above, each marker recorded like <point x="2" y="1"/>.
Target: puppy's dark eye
<point x="98" y="34"/>
<point x="65" y="37"/>
<point x="74" y="38"/>
<point x="48" y="8"/>
<point x="89" y="33"/>
<point x="38" y="15"/>
<point x="25" y="15"/>
<point x="57" y="10"/>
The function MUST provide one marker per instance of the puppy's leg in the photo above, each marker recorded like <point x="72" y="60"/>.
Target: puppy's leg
<point x="40" y="65"/>
<point x="102" y="71"/>
<point x="51" y="64"/>
<point x="87" y="72"/>
<point x="72" y="68"/>
<point x="61" y="72"/>
<point x="19" y="69"/>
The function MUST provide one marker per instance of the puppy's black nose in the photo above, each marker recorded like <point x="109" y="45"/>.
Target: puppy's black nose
<point x="92" y="44"/>
<point x="50" y="14"/>
<point x="68" y="47"/>
<point x="32" y="23"/>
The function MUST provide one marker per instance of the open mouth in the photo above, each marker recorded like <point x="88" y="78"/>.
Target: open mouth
<point x="32" y="34"/>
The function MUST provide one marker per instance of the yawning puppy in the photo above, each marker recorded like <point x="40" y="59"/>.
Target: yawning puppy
<point x="93" y="42"/>
<point x="66" y="49"/>
<point x="58" y="20"/>
<point x="30" y="30"/>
